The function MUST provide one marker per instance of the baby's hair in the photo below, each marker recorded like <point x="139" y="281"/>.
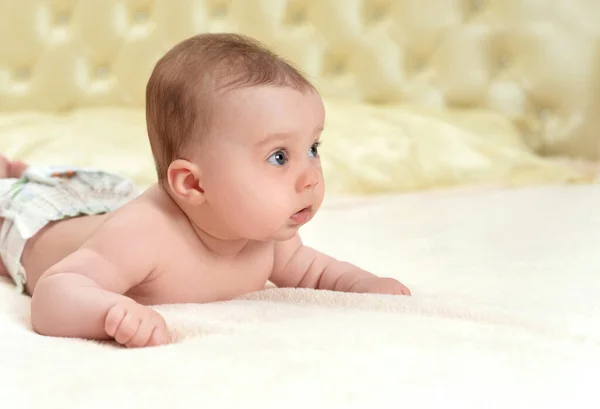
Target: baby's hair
<point x="181" y="90"/>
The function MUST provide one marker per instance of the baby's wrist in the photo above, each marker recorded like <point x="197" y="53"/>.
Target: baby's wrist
<point x="352" y="276"/>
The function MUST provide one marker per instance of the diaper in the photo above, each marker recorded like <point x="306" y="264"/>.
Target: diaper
<point x="46" y="194"/>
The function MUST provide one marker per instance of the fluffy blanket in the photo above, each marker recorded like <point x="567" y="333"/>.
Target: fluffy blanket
<point x="505" y="314"/>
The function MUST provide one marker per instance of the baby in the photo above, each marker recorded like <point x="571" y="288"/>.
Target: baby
<point x="235" y="132"/>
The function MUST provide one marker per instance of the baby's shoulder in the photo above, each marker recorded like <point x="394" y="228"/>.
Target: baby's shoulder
<point x="142" y="218"/>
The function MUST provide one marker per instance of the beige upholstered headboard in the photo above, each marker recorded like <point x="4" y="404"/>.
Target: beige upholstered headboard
<point x="536" y="61"/>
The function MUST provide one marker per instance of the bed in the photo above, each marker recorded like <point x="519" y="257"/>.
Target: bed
<point x="461" y="157"/>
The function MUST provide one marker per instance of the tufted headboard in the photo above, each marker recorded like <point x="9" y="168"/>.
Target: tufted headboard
<point x="536" y="61"/>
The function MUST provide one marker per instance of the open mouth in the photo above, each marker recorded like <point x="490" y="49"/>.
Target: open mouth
<point x="302" y="216"/>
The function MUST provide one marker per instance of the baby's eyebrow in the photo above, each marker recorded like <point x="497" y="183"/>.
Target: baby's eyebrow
<point x="283" y="136"/>
<point x="273" y="138"/>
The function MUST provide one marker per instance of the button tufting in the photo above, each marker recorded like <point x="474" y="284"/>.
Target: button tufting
<point x="22" y="74"/>
<point x="296" y="13"/>
<point x="334" y="64"/>
<point x="503" y="61"/>
<point x="543" y="114"/>
<point x="102" y="71"/>
<point x="477" y="5"/>
<point x="62" y="18"/>
<point x="141" y="15"/>
<point x="219" y="10"/>
<point x="375" y="12"/>
<point x="528" y="66"/>
<point x="338" y="67"/>
<point x="298" y="17"/>
<point x="417" y="64"/>
<point x="378" y="14"/>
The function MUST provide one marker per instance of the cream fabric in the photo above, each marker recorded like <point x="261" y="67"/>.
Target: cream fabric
<point x="504" y="315"/>
<point x="459" y="92"/>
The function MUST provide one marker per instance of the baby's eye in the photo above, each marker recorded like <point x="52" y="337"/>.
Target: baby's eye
<point x="314" y="150"/>
<point x="278" y="158"/>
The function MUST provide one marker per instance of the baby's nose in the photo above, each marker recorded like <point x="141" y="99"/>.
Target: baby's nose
<point x="308" y="179"/>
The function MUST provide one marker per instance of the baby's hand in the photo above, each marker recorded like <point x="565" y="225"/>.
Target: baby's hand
<point x="380" y="285"/>
<point x="135" y="325"/>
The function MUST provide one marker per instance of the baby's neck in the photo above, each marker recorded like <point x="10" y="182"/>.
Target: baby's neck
<point x="218" y="246"/>
<point x="223" y="247"/>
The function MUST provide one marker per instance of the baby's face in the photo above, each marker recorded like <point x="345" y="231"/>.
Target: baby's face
<point x="261" y="169"/>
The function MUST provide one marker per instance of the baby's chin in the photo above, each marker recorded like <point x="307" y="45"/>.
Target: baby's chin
<point x="285" y="233"/>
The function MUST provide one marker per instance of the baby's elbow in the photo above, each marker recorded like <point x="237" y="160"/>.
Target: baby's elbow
<point x="38" y="318"/>
<point x="39" y="309"/>
<point x="44" y="301"/>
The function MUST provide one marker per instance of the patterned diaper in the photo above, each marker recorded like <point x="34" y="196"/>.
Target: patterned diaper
<point x="45" y="194"/>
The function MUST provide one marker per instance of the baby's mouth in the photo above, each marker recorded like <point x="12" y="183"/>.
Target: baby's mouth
<point x="302" y="216"/>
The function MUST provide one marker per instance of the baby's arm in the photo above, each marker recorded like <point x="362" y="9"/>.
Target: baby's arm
<point x="297" y="265"/>
<point x="82" y="295"/>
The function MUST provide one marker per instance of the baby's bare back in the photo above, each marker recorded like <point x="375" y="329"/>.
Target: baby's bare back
<point x="54" y="242"/>
<point x="183" y="270"/>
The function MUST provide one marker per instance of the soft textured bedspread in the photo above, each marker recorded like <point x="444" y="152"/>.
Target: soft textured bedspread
<point x="505" y="314"/>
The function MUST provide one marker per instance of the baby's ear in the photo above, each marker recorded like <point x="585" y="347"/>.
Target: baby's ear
<point x="183" y="177"/>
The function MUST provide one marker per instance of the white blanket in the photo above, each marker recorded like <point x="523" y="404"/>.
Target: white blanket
<point x="505" y="314"/>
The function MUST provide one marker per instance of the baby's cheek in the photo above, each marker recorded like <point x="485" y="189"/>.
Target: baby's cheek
<point x="267" y="209"/>
<point x="248" y="205"/>
<point x="258" y="202"/>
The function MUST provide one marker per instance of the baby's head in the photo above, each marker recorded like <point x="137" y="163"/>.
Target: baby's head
<point x="234" y="131"/>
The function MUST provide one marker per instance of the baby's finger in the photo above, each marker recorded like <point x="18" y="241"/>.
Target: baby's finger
<point x="127" y="329"/>
<point x="113" y="320"/>
<point x="160" y="335"/>
<point x="141" y="338"/>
